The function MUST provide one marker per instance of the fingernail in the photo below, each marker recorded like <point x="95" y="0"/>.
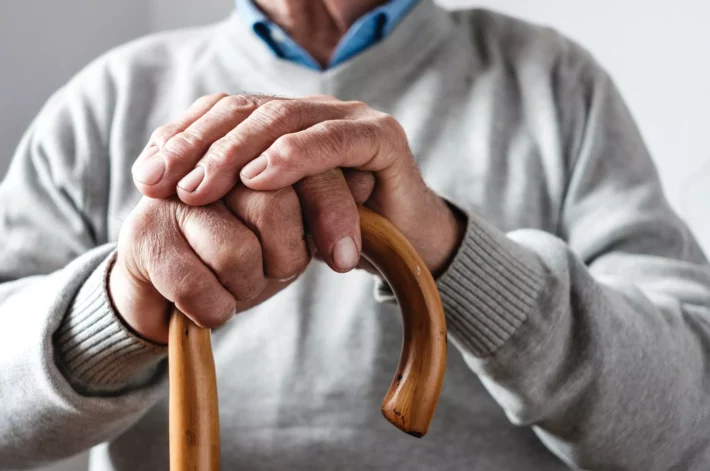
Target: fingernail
<point x="345" y="254"/>
<point x="150" y="172"/>
<point x="193" y="179"/>
<point x="255" y="167"/>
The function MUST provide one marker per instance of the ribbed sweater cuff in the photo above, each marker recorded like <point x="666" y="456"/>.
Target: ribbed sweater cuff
<point x="96" y="352"/>
<point x="489" y="289"/>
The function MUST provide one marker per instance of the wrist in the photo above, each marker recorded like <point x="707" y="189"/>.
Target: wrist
<point x="450" y="238"/>
<point x="138" y="304"/>
<point x="95" y="350"/>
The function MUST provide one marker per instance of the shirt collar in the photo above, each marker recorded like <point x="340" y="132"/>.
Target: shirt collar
<point x="365" y="32"/>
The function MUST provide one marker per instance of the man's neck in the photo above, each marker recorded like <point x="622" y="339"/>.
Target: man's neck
<point x="316" y="26"/>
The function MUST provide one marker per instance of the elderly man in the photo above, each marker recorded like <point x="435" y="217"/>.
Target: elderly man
<point x="577" y="302"/>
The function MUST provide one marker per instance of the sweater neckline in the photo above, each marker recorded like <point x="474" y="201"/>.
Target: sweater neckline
<point x="417" y="35"/>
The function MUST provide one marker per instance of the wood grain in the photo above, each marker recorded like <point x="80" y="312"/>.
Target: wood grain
<point x="410" y="401"/>
<point x="194" y="411"/>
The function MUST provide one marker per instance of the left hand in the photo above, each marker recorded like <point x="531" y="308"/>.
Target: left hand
<point x="279" y="142"/>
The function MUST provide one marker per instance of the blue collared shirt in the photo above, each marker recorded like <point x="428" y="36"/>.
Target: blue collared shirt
<point x="365" y="32"/>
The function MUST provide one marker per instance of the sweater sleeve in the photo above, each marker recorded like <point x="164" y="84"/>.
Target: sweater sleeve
<point x="597" y="337"/>
<point x="71" y="375"/>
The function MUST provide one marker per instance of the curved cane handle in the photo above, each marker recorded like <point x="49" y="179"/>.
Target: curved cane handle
<point x="410" y="401"/>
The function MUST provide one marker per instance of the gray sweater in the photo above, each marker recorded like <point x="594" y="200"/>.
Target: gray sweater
<point x="578" y="305"/>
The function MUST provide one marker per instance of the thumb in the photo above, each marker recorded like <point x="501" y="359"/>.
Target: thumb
<point x="332" y="218"/>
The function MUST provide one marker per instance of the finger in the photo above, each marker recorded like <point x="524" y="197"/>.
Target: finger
<point x="332" y="218"/>
<point x="203" y="104"/>
<point x="366" y="144"/>
<point x="275" y="217"/>
<point x="320" y="98"/>
<point x="219" y="168"/>
<point x="181" y="151"/>
<point x="180" y="276"/>
<point x="361" y="184"/>
<point x="229" y="248"/>
<point x="364" y="264"/>
<point x="147" y="170"/>
<point x="272" y="288"/>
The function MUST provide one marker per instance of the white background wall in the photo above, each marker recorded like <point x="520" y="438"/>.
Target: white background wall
<point x="657" y="51"/>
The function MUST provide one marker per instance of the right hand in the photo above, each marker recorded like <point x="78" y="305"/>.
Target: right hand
<point x="211" y="261"/>
<point x="217" y="260"/>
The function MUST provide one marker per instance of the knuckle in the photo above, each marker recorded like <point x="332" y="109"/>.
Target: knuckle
<point x="253" y="212"/>
<point x="248" y="254"/>
<point x="389" y="134"/>
<point x="279" y="207"/>
<point x="284" y="202"/>
<point x="182" y="144"/>
<point x="213" y="318"/>
<point x="246" y="288"/>
<point x="237" y="104"/>
<point x="277" y="112"/>
<point x="287" y="150"/>
<point x="225" y="263"/>
<point x="292" y="266"/>
<point x="184" y="214"/>
<point x="136" y="230"/>
<point x="326" y="128"/>
<point x="218" y="316"/>
<point x="389" y="124"/>
<point x="368" y="131"/>
<point x="140" y="215"/>
<point x="206" y="99"/>
<point x="161" y="134"/>
<point x="357" y="105"/>
<point x="331" y="134"/>
<point x="215" y="307"/>
<point x="188" y="286"/>
<point x="220" y="153"/>
<point x="277" y="108"/>
<point x="241" y="269"/>
<point x="145" y="218"/>
<point x="274" y="212"/>
<point x="191" y="138"/>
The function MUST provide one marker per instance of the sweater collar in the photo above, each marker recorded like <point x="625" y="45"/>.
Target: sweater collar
<point x="365" y="32"/>
<point x="419" y="33"/>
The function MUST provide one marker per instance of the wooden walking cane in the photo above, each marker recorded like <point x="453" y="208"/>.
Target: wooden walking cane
<point x="411" y="400"/>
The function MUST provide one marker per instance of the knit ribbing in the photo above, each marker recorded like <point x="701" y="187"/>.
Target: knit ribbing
<point x="489" y="289"/>
<point x="97" y="352"/>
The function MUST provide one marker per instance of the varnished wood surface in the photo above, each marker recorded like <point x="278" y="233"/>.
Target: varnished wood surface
<point x="410" y="401"/>
<point x="412" y="397"/>
<point x="194" y="410"/>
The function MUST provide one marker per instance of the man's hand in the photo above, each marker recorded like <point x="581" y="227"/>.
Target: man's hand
<point x="272" y="143"/>
<point x="211" y="261"/>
